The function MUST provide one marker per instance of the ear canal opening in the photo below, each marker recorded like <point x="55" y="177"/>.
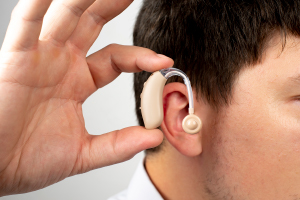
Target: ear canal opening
<point x="191" y="124"/>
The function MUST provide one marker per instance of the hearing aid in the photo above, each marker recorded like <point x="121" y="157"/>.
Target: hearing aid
<point x="152" y="102"/>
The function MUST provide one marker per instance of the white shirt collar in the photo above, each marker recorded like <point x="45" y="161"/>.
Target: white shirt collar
<point x="141" y="187"/>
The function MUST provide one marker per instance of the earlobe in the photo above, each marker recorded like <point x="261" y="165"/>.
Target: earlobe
<point x="182" y="130"/>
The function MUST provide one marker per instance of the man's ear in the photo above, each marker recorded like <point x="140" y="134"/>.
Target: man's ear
<point x="176" y="103"/>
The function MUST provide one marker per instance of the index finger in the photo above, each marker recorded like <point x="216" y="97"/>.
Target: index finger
<point x="108" y="63"/>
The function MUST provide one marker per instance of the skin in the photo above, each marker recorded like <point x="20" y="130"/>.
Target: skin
<point x="45" y="78"/>
<point x="250" y="149"/>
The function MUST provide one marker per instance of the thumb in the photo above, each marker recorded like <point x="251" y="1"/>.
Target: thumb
<point x="119" y="146"/>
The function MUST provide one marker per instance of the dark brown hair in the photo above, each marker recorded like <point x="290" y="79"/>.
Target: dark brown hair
<point x="211" y="40"/>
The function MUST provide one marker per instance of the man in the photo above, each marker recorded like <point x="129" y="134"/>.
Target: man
<point x="243" y="61"/>
<point x="44" y="79"/>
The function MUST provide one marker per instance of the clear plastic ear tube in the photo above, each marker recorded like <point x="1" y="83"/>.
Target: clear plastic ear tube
<point x="169" y="72"/>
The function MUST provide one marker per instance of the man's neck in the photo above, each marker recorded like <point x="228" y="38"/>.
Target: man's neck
<point x="175" y="176"/>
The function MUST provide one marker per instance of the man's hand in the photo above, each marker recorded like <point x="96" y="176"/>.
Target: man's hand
<point x="44" y="79"/>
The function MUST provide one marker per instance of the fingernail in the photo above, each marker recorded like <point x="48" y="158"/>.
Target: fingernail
<point x="162" y="56"/>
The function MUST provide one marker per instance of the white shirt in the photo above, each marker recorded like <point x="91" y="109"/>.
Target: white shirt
<point x="140" y="187"/>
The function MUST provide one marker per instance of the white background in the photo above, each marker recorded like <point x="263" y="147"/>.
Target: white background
<point x="110" y="108"/>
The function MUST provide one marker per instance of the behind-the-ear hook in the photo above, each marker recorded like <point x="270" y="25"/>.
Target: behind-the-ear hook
<point x="151" y="101"/>
<point x="169" y="72"/>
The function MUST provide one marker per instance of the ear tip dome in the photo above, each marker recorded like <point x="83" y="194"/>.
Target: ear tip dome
<point x="191" y="124"/>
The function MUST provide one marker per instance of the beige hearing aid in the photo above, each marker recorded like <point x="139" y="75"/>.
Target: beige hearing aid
<point x="152" y="105"/>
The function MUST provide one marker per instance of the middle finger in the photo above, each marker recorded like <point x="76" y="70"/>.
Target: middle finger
<point x="94" y="18"/>
<point x="62" y="19"/>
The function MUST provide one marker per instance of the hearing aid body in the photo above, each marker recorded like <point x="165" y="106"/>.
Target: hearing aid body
<point x="151" y="100"/>
<point x="152" y="104"/>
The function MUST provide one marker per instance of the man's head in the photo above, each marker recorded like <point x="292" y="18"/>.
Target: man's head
<point x="243" y="60"/>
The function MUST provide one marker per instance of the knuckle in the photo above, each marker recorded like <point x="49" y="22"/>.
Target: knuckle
<point x="112" y="46"/>
<point x="74" y="9"/>
<point x="98" y="19"/>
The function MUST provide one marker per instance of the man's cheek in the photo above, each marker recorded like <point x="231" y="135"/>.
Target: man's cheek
<point x="258" y="154"/>
<point x="288" y="146"/>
